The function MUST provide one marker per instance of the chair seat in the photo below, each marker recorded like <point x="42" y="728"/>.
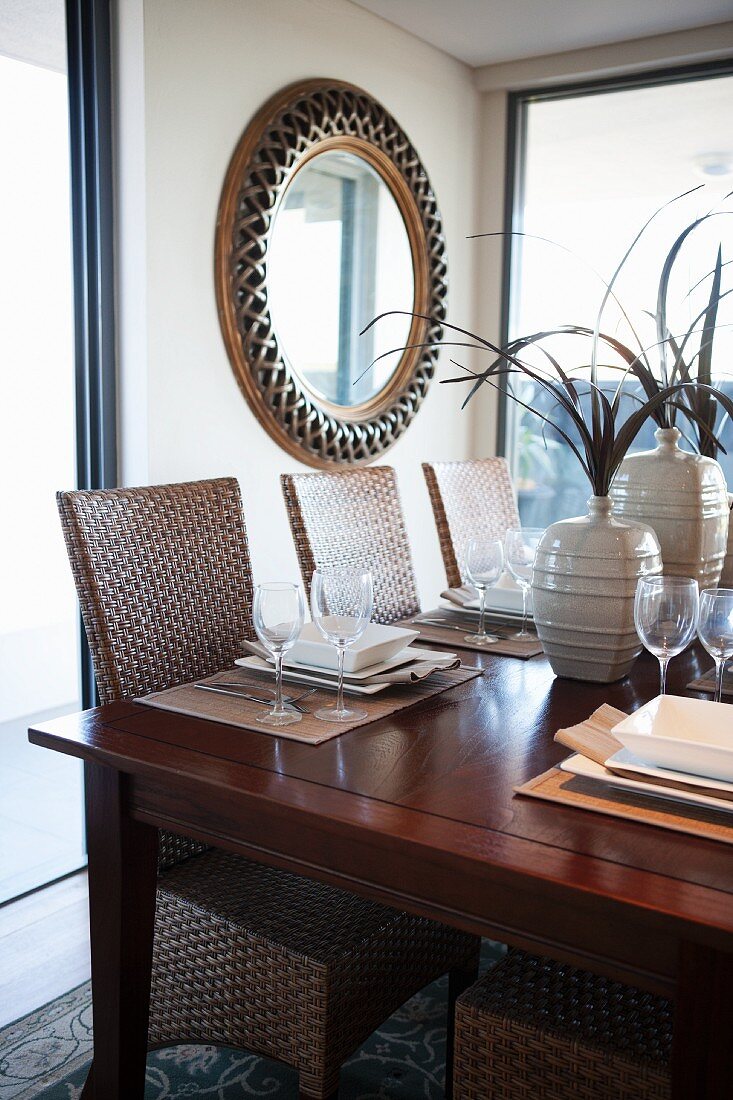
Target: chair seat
<point x="533" y="1029"/>
<point x="248" y="955"/>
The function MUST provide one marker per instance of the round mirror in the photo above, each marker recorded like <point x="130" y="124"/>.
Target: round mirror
<point x="326" y="220"/>
<point x="339" y="255"/>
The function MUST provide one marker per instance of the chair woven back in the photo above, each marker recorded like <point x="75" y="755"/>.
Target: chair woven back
<point x="354" y="517"/>
<point x="471" y="499"/>
<point x="164" y="581"/>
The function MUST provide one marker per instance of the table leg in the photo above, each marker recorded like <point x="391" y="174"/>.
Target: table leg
<point x="123" y="857"/>
<point x="702" y="1053"/>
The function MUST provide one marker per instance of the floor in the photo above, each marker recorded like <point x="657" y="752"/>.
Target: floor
<point x="44" y="945"/>
<point x="41" y="813"/>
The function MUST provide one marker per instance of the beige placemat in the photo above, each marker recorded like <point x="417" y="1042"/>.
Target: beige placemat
<point x="556" y="785"/>
<point x="706" y="682"/>
<point x="455" y="639"/>
<point x="243" y="714"/>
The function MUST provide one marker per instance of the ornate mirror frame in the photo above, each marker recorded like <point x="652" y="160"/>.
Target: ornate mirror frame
<point x="296" y="125"/>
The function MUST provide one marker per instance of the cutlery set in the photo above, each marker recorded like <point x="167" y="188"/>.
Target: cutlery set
<point x="239" y="691"/>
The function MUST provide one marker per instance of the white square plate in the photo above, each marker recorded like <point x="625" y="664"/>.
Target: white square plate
<point x="377" y="643"/>
<point x="405" y="657"/>
<point x="258" y="664"/>
<point x="694" y="736"/>
<point x="589" y="769"/>
<point x="506" y="596"/>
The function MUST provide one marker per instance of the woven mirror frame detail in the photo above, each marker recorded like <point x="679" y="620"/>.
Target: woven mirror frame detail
<point x="306" y="118"/>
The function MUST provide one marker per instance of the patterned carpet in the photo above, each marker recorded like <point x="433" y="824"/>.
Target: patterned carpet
<point x="45" y="1057"/>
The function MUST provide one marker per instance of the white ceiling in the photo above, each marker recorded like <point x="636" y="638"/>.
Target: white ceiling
<point x="35" y="31"/>
<point x="485" y="32"/>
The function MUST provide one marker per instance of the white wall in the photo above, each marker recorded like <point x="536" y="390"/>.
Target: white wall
<point x="190" y="75"/>
<point x="208" y="66"/>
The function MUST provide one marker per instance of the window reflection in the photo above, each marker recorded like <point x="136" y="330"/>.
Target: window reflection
<point x="339" y="256"/>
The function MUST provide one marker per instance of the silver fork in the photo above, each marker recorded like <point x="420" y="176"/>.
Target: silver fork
<point x="222" y="687"/>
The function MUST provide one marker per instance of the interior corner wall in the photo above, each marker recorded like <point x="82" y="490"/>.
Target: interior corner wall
<point x="207" y="66"/>
<point x="488" y="257"/>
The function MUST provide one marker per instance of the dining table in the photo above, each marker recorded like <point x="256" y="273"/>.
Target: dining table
<point x="418" y="811"/>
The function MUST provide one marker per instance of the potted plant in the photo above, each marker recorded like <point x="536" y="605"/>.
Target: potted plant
<point x="682" y="495"/>
<point x="586" y="568"/>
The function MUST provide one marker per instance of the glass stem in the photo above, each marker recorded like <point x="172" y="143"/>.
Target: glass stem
<point x="279" y="708"/>
<point x="340" y="694"/>
<point x="663" y="662"/>
<point x="524" y="609"/>
<point x="719" y="671"/>
<point x="482" y="606"/>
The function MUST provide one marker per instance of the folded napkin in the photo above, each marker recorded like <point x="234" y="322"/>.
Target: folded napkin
<point x="462" y="596"/>
<point x="593" y="739"/>
<point x="406" y="674"/>
<point x="503" y="599"/>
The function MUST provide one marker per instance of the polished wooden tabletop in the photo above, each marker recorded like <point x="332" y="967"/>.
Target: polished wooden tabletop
<point x="419" y="810"/>
<point x="454" y="759"/>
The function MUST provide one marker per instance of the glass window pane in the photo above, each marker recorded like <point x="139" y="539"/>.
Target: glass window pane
<point x="41" y="833"/>
<point x="596" y="167"/>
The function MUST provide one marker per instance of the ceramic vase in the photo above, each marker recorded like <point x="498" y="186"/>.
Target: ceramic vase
<point x="684" y="498"/>
<point x="726" y="577"/>
<point x="583" y="586"/>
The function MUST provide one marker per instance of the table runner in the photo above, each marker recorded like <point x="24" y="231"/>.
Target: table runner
<point x="505" y="647"/>
<point x="187" y="699"/>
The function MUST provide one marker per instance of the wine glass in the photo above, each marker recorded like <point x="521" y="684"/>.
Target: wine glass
<point x="715" y="630"/>
<point x="341" y="606"/>
<point x="665" y="616"/>
<point x="483" y="563"/>
<point x="278" y="614"/>
<point x="520" y="547"/>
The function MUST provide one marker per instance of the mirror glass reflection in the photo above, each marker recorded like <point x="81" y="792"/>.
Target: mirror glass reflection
<point x="339" y="255"/>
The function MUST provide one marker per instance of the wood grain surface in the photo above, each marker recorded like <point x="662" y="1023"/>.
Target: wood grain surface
<point x="418" y="810"/>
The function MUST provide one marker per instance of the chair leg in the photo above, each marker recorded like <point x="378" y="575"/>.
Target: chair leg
<point x="307" y="1096"/>
<point x="459" y="981"/>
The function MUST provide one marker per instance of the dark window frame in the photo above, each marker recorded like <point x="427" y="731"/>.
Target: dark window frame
<point x="89" y="54"/>
<point x="516" y="131"/>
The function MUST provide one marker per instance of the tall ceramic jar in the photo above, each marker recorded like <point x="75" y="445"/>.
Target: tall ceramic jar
<point x="684" y="498"/>
<point x="583" y="586"/>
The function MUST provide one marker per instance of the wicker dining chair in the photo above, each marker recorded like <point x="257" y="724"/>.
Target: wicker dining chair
<point x="534" y="1029"/>
<point x="244" y="954"/>
<point x="470" y="499"/>
<point x="354" y="517"/>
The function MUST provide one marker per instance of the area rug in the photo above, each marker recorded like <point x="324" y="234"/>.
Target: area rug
<point x="45" y="1056"/>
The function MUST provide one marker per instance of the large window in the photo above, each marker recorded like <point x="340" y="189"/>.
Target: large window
<point x="592" y="165"/>
<point x="57" y="409"/>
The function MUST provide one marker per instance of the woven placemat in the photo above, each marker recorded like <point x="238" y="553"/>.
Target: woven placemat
<point x="507" y="646"/>
<point x="557" y="785"/>
<point x="706" y="682"/>
<point x="189" y="700"/>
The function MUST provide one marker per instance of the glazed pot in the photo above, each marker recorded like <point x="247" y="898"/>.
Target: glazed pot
<point x="583" y="587"/>
<point x="726" y="577"/>
<point x="684" y="498"/>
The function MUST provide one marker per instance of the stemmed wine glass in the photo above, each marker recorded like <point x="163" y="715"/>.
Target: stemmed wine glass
<point x="521" y="546"/>
<point x="715" y="630"/>
<point x="341" y="606"/>
<point x="484" y="564"/>
<point x="665" y="616"/>
<point x="278" y="614"/>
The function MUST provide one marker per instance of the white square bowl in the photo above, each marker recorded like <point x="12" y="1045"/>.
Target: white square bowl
<point x="377" y="643"/>
<point x="687" y="735"/>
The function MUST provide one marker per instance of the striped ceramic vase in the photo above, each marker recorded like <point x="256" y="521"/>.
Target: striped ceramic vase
<point x="583" y="587"/>
<point x="684" y="498"/>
